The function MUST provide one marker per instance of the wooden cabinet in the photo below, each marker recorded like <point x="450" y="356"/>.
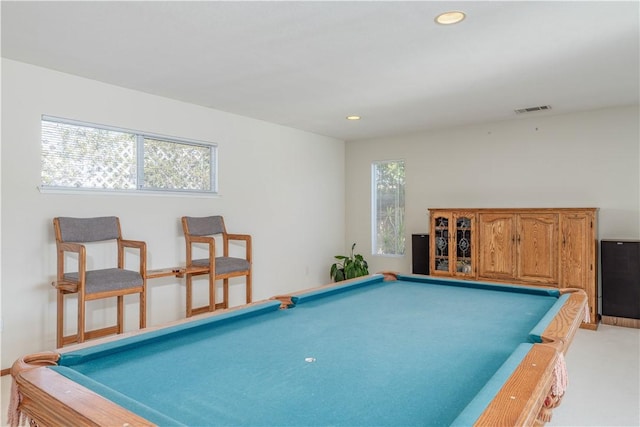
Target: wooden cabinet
<point x="552" y="247"/>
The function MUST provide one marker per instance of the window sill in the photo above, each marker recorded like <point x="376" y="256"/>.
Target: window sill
<point x="100" y="192"/>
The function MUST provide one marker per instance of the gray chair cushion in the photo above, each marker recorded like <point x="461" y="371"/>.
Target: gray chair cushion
<point x="109" y="279"/>
<point x="225" y="265"/>
<point x="80" y="230"/>
<point x="205" y="226"/>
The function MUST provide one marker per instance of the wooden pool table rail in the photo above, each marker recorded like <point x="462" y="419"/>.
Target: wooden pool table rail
<point x="50" y="399"/>
<point x="532" y="391"/>
<point x="526" y="399"/>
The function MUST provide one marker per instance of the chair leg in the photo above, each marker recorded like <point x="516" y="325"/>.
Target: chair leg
<point x="249" y="296"/>
<point x="81" y="315"/>
<point x="60" y="320"/>
<point x="212" y="292"/>
<point x="189" y="296"/>
<point x="143" y="307"/>
<point x="225" y="292"/>
<point x="120" y="313"/>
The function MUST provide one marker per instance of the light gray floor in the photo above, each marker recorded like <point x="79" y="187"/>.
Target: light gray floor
<point x="604" y="380"/>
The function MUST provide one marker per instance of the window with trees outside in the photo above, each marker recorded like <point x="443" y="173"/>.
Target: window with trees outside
<point x="83" y="156"/>
<point x="388" y="207"/>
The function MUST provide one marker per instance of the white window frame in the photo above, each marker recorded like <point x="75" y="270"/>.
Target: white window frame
<point x="401" y="245"/>
<point x="140" y="137"/>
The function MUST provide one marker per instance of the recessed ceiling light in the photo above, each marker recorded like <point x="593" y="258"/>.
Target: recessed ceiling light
<point x="450" y="18"/>
<point x="353" y="117"/>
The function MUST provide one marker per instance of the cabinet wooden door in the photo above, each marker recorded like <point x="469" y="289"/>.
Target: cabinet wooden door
<point x="576" y="248"/>
<point x="537" y="243"/>
<point x="577" y="257"/>
<point x="497" y="251"/>
<point x="575" y="229"/>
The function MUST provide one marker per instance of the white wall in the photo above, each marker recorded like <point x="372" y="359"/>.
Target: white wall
<point x="287" y="189"/>
<point x="589" y="159"/>
<point x="283" y="186"/>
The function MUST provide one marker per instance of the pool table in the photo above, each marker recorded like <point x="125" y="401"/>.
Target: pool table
<point x="384" y="350"/>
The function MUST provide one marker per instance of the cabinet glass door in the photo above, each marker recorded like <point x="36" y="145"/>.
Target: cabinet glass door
<point x="464" y="245"/>
<point x="442" y="233"/>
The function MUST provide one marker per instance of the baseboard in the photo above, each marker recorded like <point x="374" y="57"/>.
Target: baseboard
<point x="621" y="321"/>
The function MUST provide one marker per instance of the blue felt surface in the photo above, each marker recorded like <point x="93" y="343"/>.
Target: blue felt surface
<point x="388" y="353"/>
<point x="476" y="407"/>
<point x="133" y="405"/>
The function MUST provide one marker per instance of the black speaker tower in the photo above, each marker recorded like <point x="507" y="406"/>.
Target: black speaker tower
<point x="420" y="251"/>
<point x="620" y="278"/>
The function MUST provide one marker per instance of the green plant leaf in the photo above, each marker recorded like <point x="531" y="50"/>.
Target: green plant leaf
<point x="351" y="266"/>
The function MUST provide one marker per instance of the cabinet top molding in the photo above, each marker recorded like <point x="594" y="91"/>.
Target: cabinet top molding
<point x="513" y="209"/>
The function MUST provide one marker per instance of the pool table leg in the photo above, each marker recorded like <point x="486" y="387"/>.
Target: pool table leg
<point x="551" y="402"/>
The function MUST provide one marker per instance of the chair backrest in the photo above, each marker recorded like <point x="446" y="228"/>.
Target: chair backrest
<point x="204" y="226"/>
<point x="82" y="230"/>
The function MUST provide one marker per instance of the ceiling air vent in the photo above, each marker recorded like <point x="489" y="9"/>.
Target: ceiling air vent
<point x="532" y="109"/>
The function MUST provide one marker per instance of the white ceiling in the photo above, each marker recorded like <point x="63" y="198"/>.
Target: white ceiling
<point x="307" y="65"/>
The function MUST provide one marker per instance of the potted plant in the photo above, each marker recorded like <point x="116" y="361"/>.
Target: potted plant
<point x="349" y="267"/>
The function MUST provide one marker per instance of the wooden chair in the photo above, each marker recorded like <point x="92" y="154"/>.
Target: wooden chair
<point x="72" y="234"/>
<point x="203" y="230"/>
